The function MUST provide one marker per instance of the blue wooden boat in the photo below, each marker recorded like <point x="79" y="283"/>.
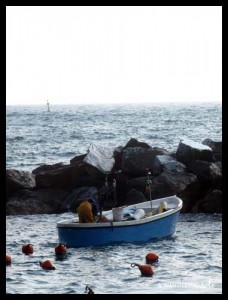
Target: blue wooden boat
<point x="137" y="223"/>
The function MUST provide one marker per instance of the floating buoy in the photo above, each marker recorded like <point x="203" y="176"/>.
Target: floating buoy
<point x="8" y="259"/>
<point x="27" y="249"/>
<point x="151" y="258"/>
<point x="146" y="270"/>
<point x="47" y="265"/>
<point x="60" y="249"/>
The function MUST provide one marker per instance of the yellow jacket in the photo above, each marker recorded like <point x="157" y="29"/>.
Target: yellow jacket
<point x="85" y="212"/>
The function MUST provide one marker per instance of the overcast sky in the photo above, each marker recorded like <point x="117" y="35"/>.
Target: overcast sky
<point x="117" y="54"/>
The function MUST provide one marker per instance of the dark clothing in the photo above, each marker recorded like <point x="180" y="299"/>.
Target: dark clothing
<point x="94" y="207"/>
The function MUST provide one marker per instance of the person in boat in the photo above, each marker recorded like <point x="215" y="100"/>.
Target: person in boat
<point x="88" y="212"/>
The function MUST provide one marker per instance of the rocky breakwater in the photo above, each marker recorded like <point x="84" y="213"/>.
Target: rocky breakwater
<point x="193" y="173"/>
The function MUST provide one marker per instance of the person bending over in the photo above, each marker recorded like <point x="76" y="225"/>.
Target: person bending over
<point x="87" y="211"/>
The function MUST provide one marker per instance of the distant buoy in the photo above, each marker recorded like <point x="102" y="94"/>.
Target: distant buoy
<point x="47" y="265"/>
<point x="60" y="249"/>
<point x="8" y="259"/>
<point x="151" y="258"/>
<point x="27" y="249"/>
<point x="48" y="106"/>
<point x="146" y="270"/>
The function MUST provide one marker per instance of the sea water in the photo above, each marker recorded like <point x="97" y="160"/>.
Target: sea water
<point x="35" y="136"/>
<point x="189" y="263"/>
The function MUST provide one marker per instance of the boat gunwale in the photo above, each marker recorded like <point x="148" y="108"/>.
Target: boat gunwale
<point x="73" y="223"/>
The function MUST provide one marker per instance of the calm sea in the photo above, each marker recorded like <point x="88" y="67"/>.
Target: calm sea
<point x="189" y="263"/>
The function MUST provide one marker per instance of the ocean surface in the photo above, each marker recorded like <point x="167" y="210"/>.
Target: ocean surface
<point x="189" y="263"/>
<point x="35" y="136"/>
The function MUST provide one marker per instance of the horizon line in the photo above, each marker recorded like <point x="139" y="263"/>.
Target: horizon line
<point x="119" y="103"/>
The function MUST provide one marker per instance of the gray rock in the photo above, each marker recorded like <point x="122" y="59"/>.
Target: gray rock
<point x="188" y="151"/>
<point x="77" y="159"/>
<point x="206" y="171"/>
<point x="167" y="163"/>
<point x="212" y="203"/>
<point x="18" y="180"/>
<point x="71" y="202"/>
<point x="135" y="196"/>
<point x="135" y="143"/>
<point x="216" y="148"/>
<point x="137" y="159"/>
<point x="46" y="167"/>
<point x="43" y="201"/>
<point x="169" y="183"/>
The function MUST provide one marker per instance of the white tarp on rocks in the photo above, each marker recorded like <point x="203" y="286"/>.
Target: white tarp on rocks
<point x="100" y="157"/>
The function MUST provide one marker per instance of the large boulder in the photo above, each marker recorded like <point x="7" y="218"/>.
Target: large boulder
<point x="189" y="151"/>
<point x="216" y="148"/>
<point x="73" y="200"/>
<point x="167" y="163"/>
<point x="135" y="143"/>
<point x="169" y="183"/>
<point x="42" y="201"/>
<point x="57" y="178"/>
<point x="192" y="194"/>
<point x="134" y="196"/>
<point x="18" y="180"/>
<point x="136" y="160"/>
<point x="118" y="154"/>
<point x="68" y="177"/>
<point x="45" y="167"/>
<point x="206" y="171"/>
<point x="138" y="183"/>
<point x="77" y="159"/>
<point x="212" y="203"/>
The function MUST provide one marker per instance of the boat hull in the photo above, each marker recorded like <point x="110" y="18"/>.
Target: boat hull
<point x="153" y="230"/>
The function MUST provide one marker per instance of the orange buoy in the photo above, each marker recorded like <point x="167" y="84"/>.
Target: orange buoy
<point x="151" y="258"/>
<point x="60" y="249"/>
<point x="27" y="249"/>
<point x="8" y="259"/>
<point x="47" y="265"/>
<point x="146" y="270"/>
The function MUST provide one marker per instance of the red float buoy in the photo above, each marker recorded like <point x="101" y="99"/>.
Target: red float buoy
<point x="146" y="270"/>
<point x="60" y="249"/>
<point x="151" y="258"/>
<point x="47" y="265"/>
<point x="27" y="249"/>
<point x="8" y="259"/>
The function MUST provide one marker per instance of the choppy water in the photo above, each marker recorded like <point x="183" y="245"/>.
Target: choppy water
<point x="34" y="136"/>
<point x="189" y="263"/>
